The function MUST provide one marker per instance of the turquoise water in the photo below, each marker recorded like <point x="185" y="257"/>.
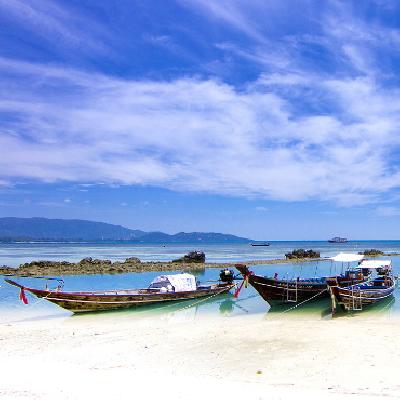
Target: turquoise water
<point x="249" y="302"/>
<point x="13" y="254"/>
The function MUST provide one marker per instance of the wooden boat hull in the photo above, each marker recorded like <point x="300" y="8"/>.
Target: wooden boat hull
<point x="275" y="291"/>
<point x="279" y="291"/>
<point x="78" y="302"/>
<point x="355" y="298"/>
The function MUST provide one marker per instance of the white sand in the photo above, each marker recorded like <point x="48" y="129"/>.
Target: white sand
<point x="184" y="356"/>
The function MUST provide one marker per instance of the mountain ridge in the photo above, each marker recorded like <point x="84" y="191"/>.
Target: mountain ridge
<point x="64" y="230"/>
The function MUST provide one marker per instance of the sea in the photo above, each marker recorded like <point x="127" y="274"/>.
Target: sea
<point x="248" y="303"/>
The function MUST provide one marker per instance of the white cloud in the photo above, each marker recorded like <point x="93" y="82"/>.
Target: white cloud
<point x="198" y="135"/>
<point x="267" y="139"/>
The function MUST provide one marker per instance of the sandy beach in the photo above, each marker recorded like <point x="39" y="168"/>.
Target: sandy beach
<point x="183" y="356"/>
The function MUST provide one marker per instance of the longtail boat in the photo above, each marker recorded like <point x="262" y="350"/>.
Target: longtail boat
<point x="356" y="297"/>
<point x="164" y="288"/>
<point x="277" y="291"/>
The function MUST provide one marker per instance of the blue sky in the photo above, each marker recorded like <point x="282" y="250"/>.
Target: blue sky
<point x="273" y="120"/>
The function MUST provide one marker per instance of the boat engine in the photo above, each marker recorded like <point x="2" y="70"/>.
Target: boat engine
<point x="226" y="275"/>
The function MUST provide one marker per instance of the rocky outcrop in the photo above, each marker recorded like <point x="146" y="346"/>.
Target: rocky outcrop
<point x="96" y="266"/>
<point x="91" y="261"/>
<point x="132" y="260"/>
<point x="301" y="254"/>
<point x="51" y="268"/>
<point x="85" y="266"/>
<point x="4" y="270"/>
<point x="372" y="253"/>
<point x="192" y="257"/>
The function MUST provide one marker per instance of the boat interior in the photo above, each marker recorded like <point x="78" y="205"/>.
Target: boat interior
<point x="377" y="283"/>
<point x="356" y="273"/>
<point x="132" y="292"/>
<point x="315" y="280"/>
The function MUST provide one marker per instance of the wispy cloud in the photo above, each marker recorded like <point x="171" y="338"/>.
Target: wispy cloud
<point x="296" y="132"/>
<point x="329" y="37"/>
<point x="5" y="184"/>
<point x="230" y="12"/>
<point x="57" y="24"/>
<point x="198" y="135"/>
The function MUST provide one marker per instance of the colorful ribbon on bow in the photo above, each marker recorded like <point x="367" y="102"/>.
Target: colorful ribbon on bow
<point x="245" y="282"/>
<point x="22" y="296"/>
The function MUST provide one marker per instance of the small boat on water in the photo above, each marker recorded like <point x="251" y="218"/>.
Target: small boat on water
<point x="259" y="244"/>
<point x="164" y="288"/>
<point x="275" y="290"/>
<point x="356" y="297"/>
<point x="338" y="239"/>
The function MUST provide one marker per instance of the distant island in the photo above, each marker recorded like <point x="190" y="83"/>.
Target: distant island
<point x="14" y="229"/>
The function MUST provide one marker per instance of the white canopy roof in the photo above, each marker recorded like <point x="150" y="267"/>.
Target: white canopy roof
<point x="343" y="257"/>
<point x="181" y="282"/>
<point x="373" y="264"/>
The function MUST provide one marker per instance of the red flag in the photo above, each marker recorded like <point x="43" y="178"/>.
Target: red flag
<point x="244" y="282"/>
<point x="22" y="296"/>
<point x="237" y="291"/>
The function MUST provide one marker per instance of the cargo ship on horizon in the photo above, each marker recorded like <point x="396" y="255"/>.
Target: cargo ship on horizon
<point x="338" y="239"/>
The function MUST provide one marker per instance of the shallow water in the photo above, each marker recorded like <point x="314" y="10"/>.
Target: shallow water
<point x="248" y="304"/>
<point x="13" y="254"/>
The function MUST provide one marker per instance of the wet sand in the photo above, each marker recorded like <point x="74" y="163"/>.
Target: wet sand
<point x="182" y="355"/>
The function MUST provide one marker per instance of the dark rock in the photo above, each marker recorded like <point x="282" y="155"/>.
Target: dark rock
<point x="301" y="253"/>
<point x="7" y="270"/>
<point x="192" y="257"/>
<point x="96" y="261"/>
<point x="372" y="253"/>
<point x="132" y="260"/>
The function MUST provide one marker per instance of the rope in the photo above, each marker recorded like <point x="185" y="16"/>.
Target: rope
<point x="388" y="305"/>
<point x="201" y="300"/>
<point x="304" y="301"/>
<point x="39" y="299"/>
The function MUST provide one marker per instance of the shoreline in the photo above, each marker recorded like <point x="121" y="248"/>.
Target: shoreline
<point x="89" y="267"/>
<point x="107" y="267"/>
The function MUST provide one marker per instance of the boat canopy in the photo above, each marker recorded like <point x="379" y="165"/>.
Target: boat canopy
<point x="343" y="257"/>
<point x="374" y="264"/>
<point x="179" y="282"/>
